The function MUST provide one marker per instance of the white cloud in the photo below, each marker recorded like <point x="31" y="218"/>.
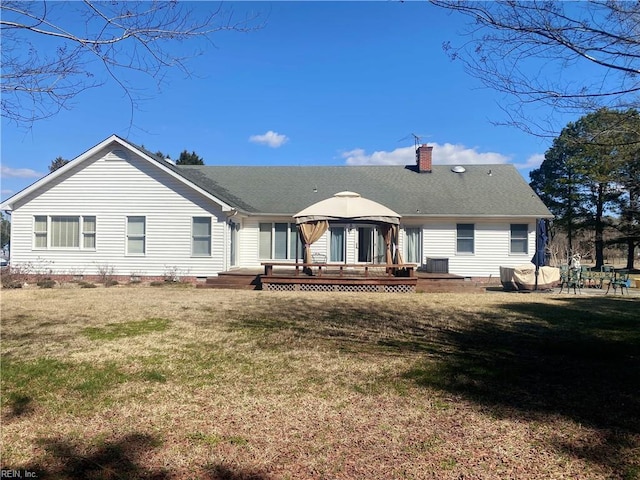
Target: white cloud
<point x="446" y="154"/>
<point x="6" y="193"/>
<point x="450" y="154"/>
<point x="534" y="161"/>
<point x="271" y="138"/>
<point x="8" y="172"/>
<point x="399" y="156"/>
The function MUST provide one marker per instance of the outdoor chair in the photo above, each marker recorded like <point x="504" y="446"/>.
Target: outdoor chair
<point x="318" y="258"/>
<point x="587" y="277"/>
<point x="606" y="275"/>
<point x="621" y="279"/>
<point x="570" y="277"/>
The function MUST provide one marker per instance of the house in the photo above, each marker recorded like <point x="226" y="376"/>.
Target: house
<point x="118" y="208"/>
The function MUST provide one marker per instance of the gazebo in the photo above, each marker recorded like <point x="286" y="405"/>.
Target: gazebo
<point x="314" y="220"/>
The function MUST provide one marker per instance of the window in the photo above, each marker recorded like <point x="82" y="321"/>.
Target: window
<point x="336" y="244"/>
<point x="64" y="231"/>
<point x="519" y="238"/>
<point x="89" y="232"/>
<point x="465" y="238"/>
<point x="278" y="241"/>
<point x="40" y="232"/>
<point x="381" y="248"/>
<point x="281" y="234"/>
<point x="201" y="236"/>
<point x="413" y="245"/>
<point x="265" y="240"/>
<point x="136" y="235"/>
<point x="295" y="242"/>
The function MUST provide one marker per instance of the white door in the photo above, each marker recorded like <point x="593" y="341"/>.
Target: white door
<point x="233" y="250"/>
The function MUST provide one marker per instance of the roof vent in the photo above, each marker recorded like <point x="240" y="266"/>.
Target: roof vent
<point x="458" y="169"/>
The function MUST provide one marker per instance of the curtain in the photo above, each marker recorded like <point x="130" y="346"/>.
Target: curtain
<point x="311" y="232"/>
<point x="337" y="244"/>
<point x="412" y="236"/>
<point x="396" y="236"/>
<point x="387" y="233"/>
<point x="65" y="231"/>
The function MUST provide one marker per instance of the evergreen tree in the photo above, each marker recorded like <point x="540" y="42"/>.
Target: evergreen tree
<point x="5" y="231"/>
<point x="57" y="163"/>
<point x="590" y="172"/>
<point x="556" y="182"/>
<point x="187" y="158"/>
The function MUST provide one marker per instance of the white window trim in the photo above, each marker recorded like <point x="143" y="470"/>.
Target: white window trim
<point x="202" y="237"/>
<point x="345" y="233"/>
<point x="48" y="232"/>
<point x="420" y="245"/>
<point x="290" y="227"/>
<point x="525" y="238"/>
<point x="45" y="232"/>
<point x="143" y="236"/>
<point x="84" y="234"/>
<point x="466" y="253"/>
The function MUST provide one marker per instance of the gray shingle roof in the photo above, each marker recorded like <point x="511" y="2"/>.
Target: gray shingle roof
<point x="482" y="190"/>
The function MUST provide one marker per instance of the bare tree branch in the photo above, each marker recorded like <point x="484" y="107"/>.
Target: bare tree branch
<point x="573" y="56"/>
<point x="53" y="51"/>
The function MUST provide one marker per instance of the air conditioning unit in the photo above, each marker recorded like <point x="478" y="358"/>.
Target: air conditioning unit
<point x="437" y="265"/>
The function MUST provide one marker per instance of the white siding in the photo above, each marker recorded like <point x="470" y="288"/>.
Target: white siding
<point x="112" y="186"/>
<point x="322" y="245"/>
<point x="492" y="246"/>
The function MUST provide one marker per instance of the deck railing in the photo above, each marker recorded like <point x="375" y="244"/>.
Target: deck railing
<point x="343" y="269"/>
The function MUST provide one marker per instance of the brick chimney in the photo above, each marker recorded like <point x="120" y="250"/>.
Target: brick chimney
<point x="423" y="158"/>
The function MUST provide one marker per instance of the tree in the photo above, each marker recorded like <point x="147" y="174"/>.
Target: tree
<point x="5" y="231"/>
<point x="187" y="158"/>
<point x="591" y="172"/>
<point x="89" y="43"/>
<point x="556" y="182"/>
<point x="598" y="163"/>
<point x="628" y="223"/>
<point x="57" y="163"/>
<point x="572" y="56"/>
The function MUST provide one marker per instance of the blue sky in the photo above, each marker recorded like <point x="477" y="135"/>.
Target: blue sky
<point x="321" y="83"/>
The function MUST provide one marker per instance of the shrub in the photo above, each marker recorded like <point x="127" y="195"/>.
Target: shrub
<point x="46" y="283"/>
<point x="15" y="276"/>
<point x="106" y="273"/>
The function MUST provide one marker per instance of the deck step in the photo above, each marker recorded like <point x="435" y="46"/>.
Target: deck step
<point x="232" y="281"/>
<point x="228" y="286"/>
<point x="431" y="284"/>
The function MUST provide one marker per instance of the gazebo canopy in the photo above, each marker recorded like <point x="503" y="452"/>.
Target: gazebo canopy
<point x="348" y="206"/>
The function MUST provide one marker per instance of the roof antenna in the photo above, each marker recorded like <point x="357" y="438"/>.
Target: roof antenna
<point x="417" y="139"/>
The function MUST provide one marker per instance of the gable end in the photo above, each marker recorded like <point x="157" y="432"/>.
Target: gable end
<point x="116" y="155"/>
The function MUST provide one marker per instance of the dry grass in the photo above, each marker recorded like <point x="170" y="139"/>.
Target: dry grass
<point x="135" y="382"/>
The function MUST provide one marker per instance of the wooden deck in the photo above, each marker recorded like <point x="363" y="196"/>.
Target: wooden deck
<point x="377" y="279"/>
<point x="338" y="277"/>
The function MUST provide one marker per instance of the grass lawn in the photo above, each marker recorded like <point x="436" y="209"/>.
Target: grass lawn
<point x="179" y="383"/>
